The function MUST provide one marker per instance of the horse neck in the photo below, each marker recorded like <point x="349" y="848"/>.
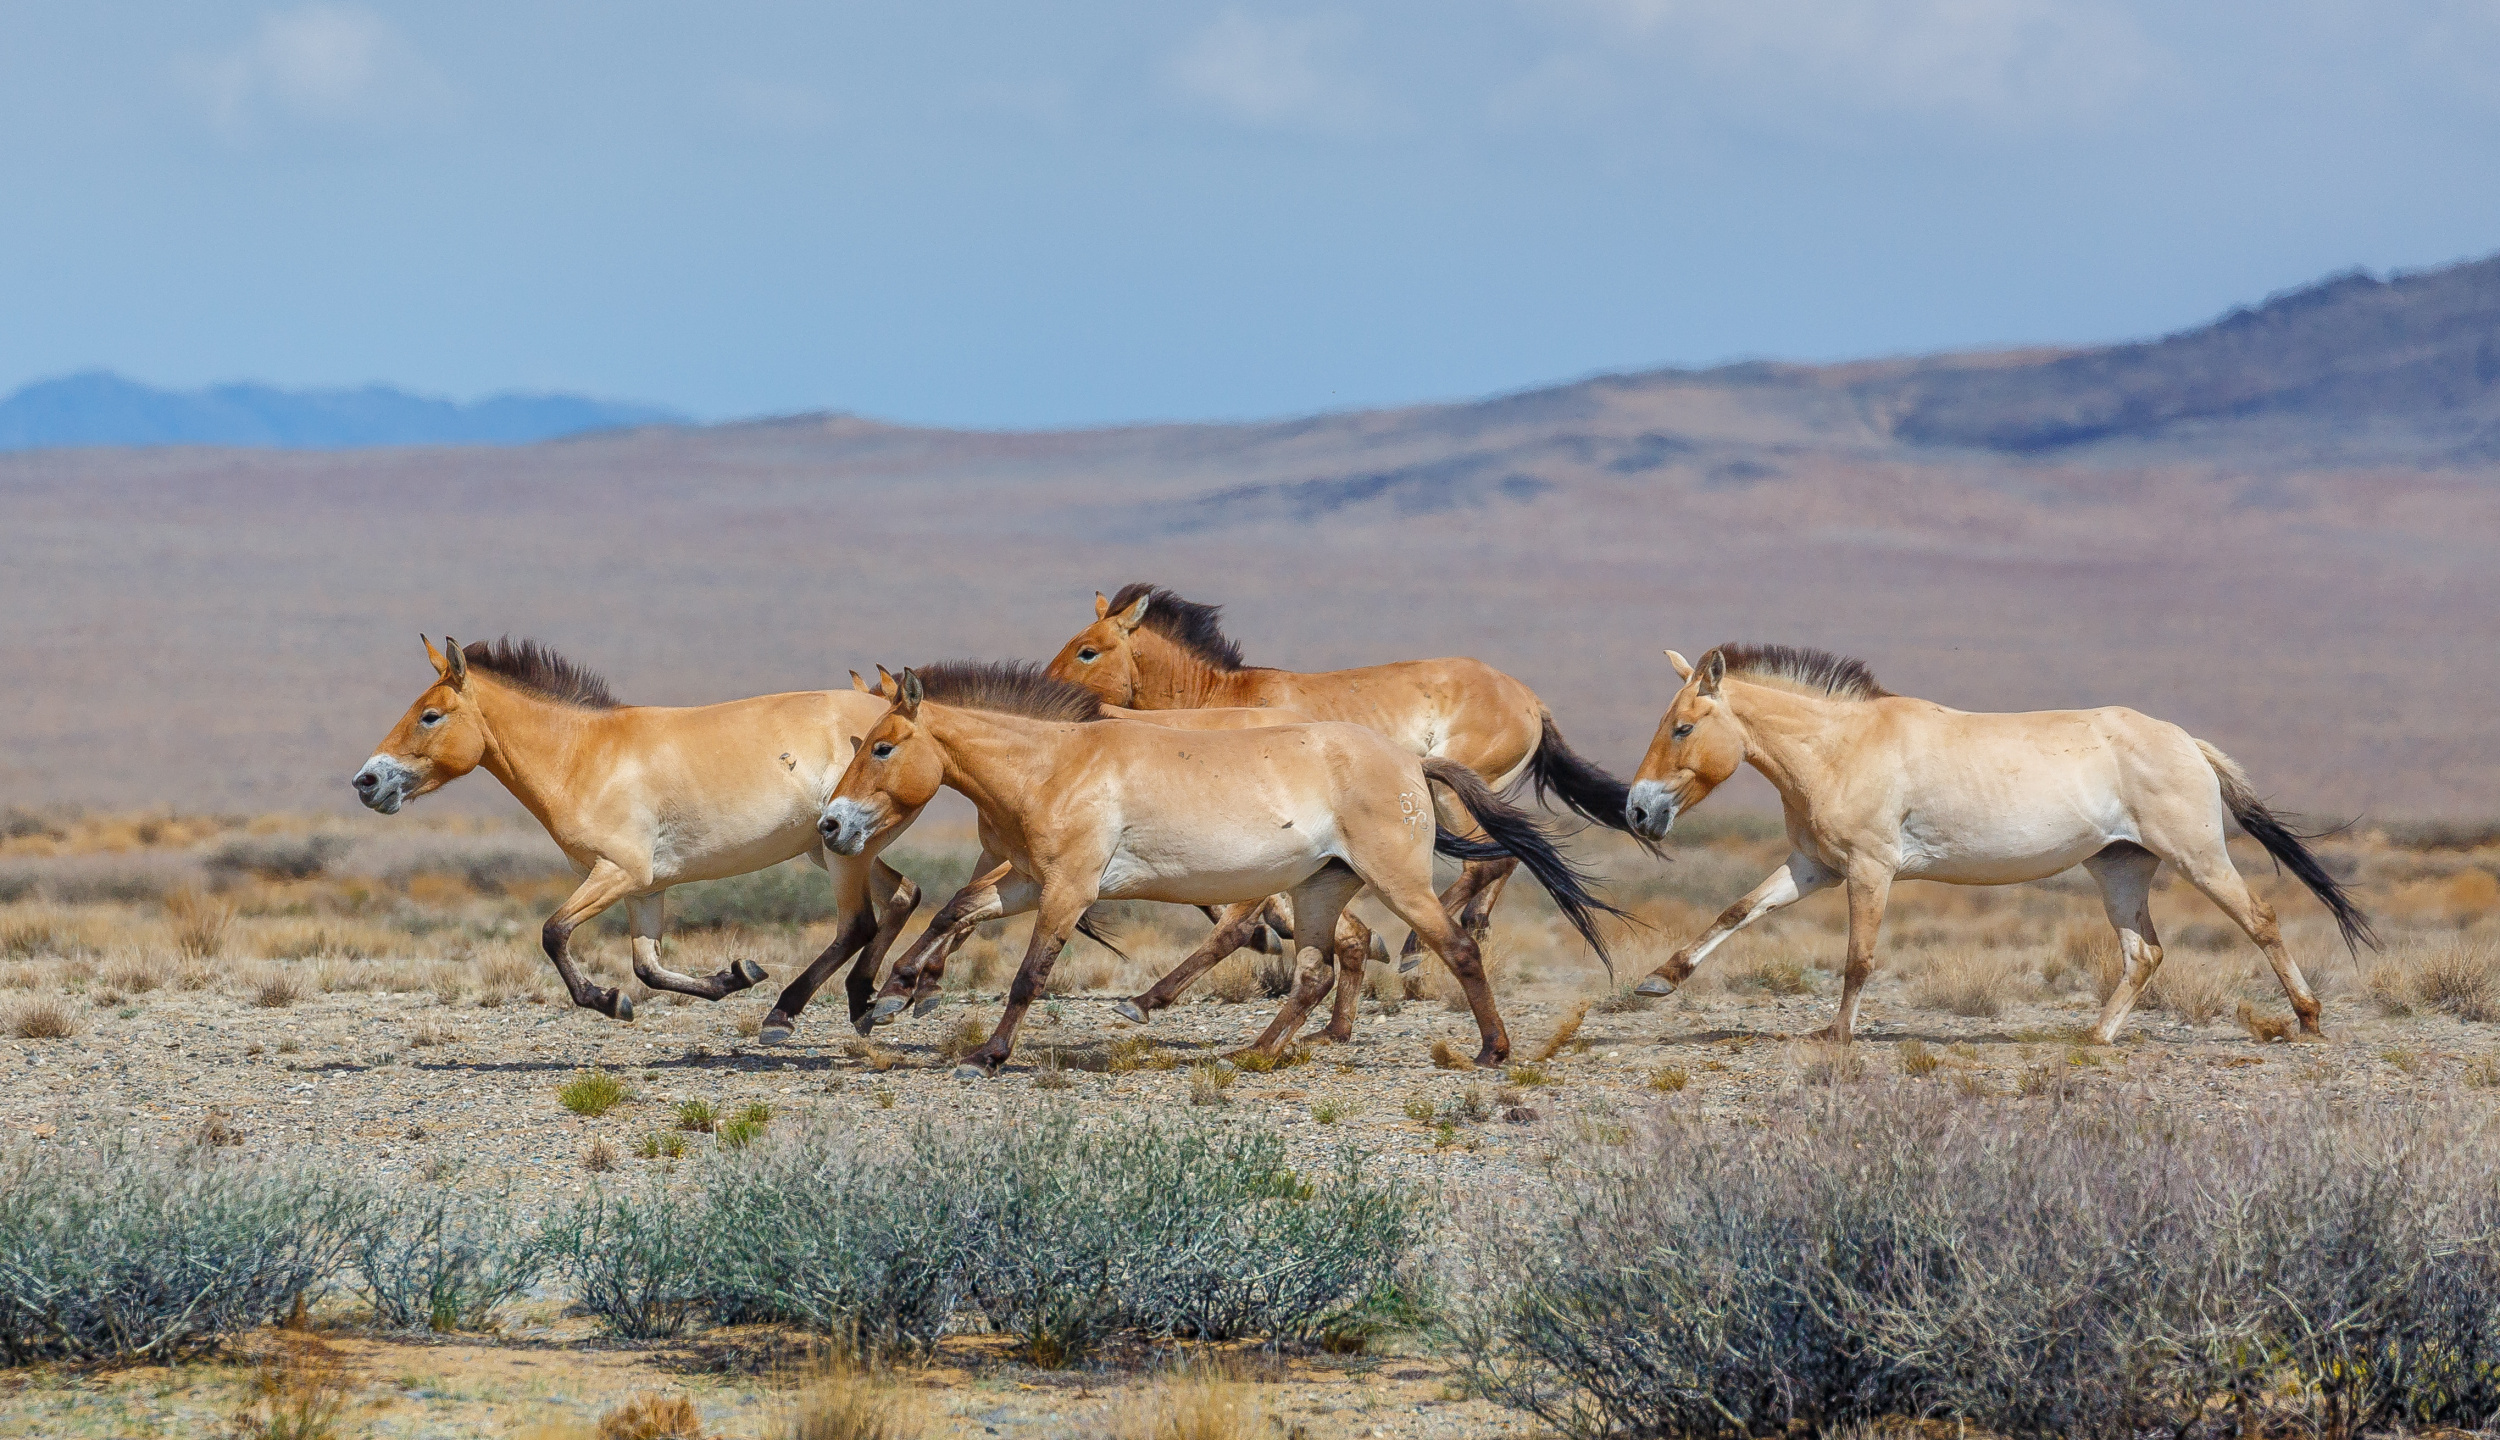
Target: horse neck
<point x="990" y="758"/>
<point x="1172" y="677"/>
<point x="1787" y="736"/>
<point x="531" y="745"/>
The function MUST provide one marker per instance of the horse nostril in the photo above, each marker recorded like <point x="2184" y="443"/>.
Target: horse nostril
<point x="365" y="780"/>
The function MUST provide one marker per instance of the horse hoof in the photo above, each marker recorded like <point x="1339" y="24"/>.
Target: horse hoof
<point x="970" y="1071"/>
<point x="1128" y="1010"/>
<point x="748" y="972"/>
<point x="1379" y="951"/>
<point x="1653" y="985"/>
<point x="926" y="1006"/>
<point x="866" y="1025"/>
<point x="1410" y="964"/>
<point x="887" y="1009"/>
<point x="775" y="1030"/>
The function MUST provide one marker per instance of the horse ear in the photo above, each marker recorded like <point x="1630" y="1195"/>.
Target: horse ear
<point x="457" y="672"/>
<point x="859" y="684"/>
<point x="1134" y="615"/>
<point x="911" y="693"/>
<point x="1102" y="605"/>
<point x="442" y="666"/>
<point x="1713" y="670"/>
<point x="1683" y="667"/>
<point x="856" y="742"/>
<point x="887" y="685"/>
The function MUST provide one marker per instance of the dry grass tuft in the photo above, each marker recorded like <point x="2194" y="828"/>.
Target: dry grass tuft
<point x="299" y="1391"/>
<point x="1050" y="1074"/>
<point x="1826" y="1062"/>
<point x="2195" y="987"/>
<point x="873" y="1055"/>
<point x="2264" y="1029"/>
<point x="430" y="1034"/>
<point x="1235" y="980"/>
<point x="1561" y="1037"/>
<point x="1445" y="1056"/>
<point x="844" y="1404"/>
<point x="1208" y="1081"/>
<point x="135" y="974"/>
<point x="600" y="1158"/>
<point x="1964" y="981"/>
<point x="1918" y="1060"/>
<point x="1668" y="1079"/>
<point x="2462" y="978"/>
<point x="200" y="922"/>
<point x="1201" y="1405"/>
<point x="652" y="1417"/>
<point x="275" y="989"/>
<point x="961" y="1039"/>
<point x="42" y="1020"/>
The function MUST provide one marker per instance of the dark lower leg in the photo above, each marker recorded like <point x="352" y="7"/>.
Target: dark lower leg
<point x="556" y="938"/>
<point x="1232" y="931"/>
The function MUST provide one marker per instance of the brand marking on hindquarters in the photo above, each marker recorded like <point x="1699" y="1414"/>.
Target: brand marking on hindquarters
<point x="1411" y="811"/>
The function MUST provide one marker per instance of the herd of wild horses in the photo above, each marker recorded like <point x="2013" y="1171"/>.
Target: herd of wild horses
<point x="1148" y="762"/>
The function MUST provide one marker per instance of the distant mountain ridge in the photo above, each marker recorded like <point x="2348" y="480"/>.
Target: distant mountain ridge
<point x="100" y="408"/>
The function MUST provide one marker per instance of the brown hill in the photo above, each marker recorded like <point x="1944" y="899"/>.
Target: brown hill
<point x="2275" y="530"/>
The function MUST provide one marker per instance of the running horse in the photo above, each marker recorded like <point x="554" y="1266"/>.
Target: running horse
<point x="996" y="890"/>
<point x="641" y="798"/>
<point x="1095" y="808"/>
<point x="1150" y="649"/>
<point x="1878" y="787"/>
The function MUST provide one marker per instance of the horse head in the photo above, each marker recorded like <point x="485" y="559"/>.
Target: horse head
<point x="1103" y="656"/>
<point x="440" y="738"/>
<point x="895" y="770"/>
<point x="1698" y="745"/>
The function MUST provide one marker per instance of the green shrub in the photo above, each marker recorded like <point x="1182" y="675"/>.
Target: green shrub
<point x="637" y="1264"/>
<point x="2085" y="1268"/>
<point x="117" y="1254"/>
<point x="438" y="1260"/>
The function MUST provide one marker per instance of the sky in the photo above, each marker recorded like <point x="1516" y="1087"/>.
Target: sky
<point x="1021" y="215"/>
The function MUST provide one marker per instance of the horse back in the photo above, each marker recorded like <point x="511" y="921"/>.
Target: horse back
<point x="1454" y="708"/>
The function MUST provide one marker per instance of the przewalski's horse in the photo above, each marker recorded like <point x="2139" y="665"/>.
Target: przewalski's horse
<point x="997" y="891"/>
<point x="1150" y="649"/>
<point x="1878" y="786"/>
<point x="641" y="798"/>
<point x="1112" y="809"/>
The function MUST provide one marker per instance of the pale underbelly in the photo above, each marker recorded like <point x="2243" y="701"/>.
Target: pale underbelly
<point x="1218" y="874"/>
<point x="2000" y="855"/>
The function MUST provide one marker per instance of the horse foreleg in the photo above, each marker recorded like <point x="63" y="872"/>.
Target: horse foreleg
<point x="1799" y="877"/>
<point x="855" y="925"/>
<point x="990" y="895"/>
<point x="902" y="898"/>
<point x="606" y="884"/>
<point x="1060" y="910"/>
<point x="1870" y="889"/>
<point x="644" y="915"/>
<point x="1234" y="926"/>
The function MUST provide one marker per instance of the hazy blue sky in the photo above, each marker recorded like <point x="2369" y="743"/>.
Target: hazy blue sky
<point x="1021" y="214"/>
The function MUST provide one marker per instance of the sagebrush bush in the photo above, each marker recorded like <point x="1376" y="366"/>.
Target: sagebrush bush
<point x="1045" y="1232"/>
<point x="278" y="857"/>
<point x="439" y="1260"/>
<point x="2092" y="1268"/>
<point x="118" y="1254"/>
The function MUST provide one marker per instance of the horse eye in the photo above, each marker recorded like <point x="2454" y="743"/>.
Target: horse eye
<point x="883" y="750"/>
<point x="1088" y="657"/>
<point x="1683" y="730"/>
<point x="431" y="717"/>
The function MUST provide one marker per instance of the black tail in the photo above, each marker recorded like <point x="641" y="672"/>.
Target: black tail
<point x="1589" y="791"/>
<point x="1517" y="835"/>
<point x="2284" y="841"/>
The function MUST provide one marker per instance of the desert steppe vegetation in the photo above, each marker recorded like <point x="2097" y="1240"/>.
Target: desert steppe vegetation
<point x="302" y="1135"/>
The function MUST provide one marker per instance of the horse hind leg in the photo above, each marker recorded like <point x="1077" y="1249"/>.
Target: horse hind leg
<point x="2210" y="870"/>
<point x="645" y="915"/>
<point x="1235" y="926"/>
<point x="2125" y="874"/>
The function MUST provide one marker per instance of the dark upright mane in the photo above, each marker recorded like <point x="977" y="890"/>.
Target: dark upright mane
<point x="1194" y="627"/>
<point x="1794" y="667"/>
<point x="1012" y="687"/>
<point x="539" y="670"/>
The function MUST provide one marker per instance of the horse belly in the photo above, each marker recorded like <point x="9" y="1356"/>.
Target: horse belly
<point x="1211" y="867"/>
<point x="1997" y="849"/>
